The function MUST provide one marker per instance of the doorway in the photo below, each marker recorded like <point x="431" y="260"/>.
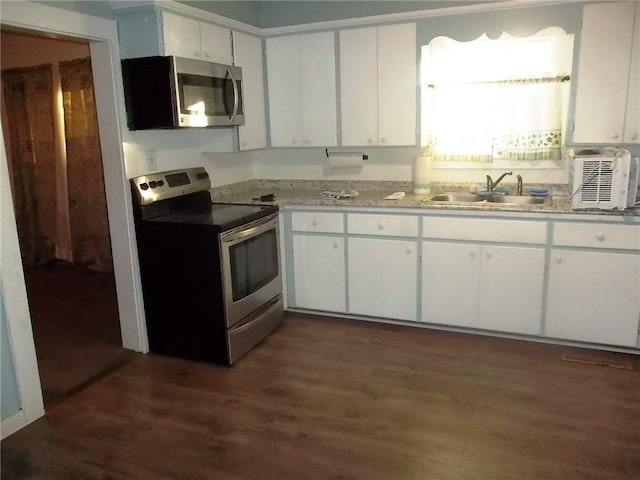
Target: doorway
<point x="58" y="191"/>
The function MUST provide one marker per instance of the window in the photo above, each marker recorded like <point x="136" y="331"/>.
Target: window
<point x="496" y="100"/>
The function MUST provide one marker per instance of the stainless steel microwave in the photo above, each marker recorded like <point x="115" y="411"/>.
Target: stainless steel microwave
<point x="175" y="92"/>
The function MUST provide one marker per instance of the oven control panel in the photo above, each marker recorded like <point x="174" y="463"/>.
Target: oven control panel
<point x="160" y="186"/>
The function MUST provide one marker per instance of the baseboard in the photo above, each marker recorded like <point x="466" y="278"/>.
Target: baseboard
<point x="12" y="424"/>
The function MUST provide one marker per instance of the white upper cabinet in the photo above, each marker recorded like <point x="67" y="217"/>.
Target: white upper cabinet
<point x="302" y="90"/>
<point x="185" y="37"/>
<point x="632" y="118"/>
<point x="378" y="85"/>
<point x="150" y="32"/>
<point x="247" y="53"/>
<point x="607" y="106"/>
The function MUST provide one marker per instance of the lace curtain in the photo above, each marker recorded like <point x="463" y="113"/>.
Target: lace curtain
<point x="491" y="99"/>
<point x="30" y="143"/>
<point x="90" y="241"/>
<point x="29" y="106"/>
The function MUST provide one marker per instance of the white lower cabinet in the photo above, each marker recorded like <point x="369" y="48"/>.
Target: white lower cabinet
<point x="594" y="297"/>
<point x="483" y="286"/>
<point x="383" y="277"/>
<point x="450" y="283"/>
<point x="470" y="281"/>
<point x="574" y="279"/>
<point x="318" y="267"/>
<point x="511" y="289"/>
<point x="594" y="283"/>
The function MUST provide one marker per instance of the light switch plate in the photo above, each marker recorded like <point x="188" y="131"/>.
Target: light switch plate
<point x="149" y="158"/>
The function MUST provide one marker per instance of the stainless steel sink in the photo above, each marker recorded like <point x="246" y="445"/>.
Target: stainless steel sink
<point x="455" y="197"/>
<point x="519" y="200"/>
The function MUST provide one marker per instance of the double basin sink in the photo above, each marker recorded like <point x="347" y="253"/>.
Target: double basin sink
<point x="472" y="198"/>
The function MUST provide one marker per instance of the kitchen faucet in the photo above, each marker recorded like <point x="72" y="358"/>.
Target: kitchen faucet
<point x="519" y="187"/>
<point x="491" y="184"/>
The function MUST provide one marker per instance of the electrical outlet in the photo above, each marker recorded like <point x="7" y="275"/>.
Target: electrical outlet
<point x="150" y="160"/>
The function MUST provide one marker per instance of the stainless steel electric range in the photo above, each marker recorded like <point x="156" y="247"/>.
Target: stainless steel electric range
<point x="211" y="276"/>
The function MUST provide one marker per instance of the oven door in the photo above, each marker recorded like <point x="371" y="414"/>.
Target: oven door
<point x="250" y="258"/>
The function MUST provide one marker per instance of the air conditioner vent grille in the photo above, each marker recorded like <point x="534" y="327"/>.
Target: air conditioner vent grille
<point x="606" y="181"/>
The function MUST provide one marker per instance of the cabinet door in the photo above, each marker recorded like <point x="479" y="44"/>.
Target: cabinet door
<point x="215" y="43"/>
<point x="247" y="52"/>
<point x="319" y="274"/>
<point x="593" y="297"/>
<point x="450" y="283"/>
<point x="603" y="72"/>
<point x="632" y="119"/>
<point x="318" y="89"/>
<point x="397" y="94"/>
<point x="382" y="278"/>
<point x="511" y="286"/>
<point x="283" y="76"/>
<point x="181" y="36"/>
<point x="359" y="86"/>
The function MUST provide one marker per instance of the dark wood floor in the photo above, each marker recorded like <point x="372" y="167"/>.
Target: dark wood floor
<point x="76" y="327"/>
<point x="335" y="399"/>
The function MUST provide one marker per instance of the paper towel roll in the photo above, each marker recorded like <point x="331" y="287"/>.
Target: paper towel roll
<point x="422" y="175"/>
<point x="345" y="160"/>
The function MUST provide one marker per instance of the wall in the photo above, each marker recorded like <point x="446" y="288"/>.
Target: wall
<point x="22" y="50"/>
<point x="175" y="149"/>
<point x="97" y="8"/>
<point x="9" y="399"/>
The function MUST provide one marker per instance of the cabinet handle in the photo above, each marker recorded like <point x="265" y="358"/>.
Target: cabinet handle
<point x="335" y="245"/>
<point x="634" y="136"/>
<point x="472" y="254"/>
<point x="489" y="255"/>
<point x="207" y="54"/>
<point x="614" y="135"/>
<point x="294" y="142"/>
<point x="381" y="226"/>
<point x="559" y="260"/>
<point x="369" y="141"/>
<point x="600" y="237"/>
<point x="314" y="223"/>
<point x="409" y="250"/>
<point x="196" y="54"/>
<point x="306" y="141"/>
<point x="383" y="139"/>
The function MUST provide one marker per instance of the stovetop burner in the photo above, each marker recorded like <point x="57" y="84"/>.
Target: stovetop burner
<point x="182" y="197"/>
<point x="220" y="216"/>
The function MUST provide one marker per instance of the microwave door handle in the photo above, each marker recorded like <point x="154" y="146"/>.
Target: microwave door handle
<point x="236" y="99"/>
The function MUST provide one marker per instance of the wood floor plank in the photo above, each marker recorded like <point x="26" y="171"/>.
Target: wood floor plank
<point x="327" y="398"/>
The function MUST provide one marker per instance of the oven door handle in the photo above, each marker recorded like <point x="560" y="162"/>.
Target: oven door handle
<point x="235" y="237"/>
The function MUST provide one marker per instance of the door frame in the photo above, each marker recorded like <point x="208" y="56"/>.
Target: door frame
<point x="102" y="36"/>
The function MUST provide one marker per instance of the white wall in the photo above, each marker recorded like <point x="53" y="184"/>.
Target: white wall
<point x="312" y="164"/>
<point x="22" y="50"/>
<point x="383" y="164"/>
<point x="175" y="149"/>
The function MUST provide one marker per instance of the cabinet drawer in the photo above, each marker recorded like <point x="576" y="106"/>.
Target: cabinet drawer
<point x="387" y="225"/>
<point x="596" y="235"/>
<point x="484" y="230"/>
<point x="324" y="222"/>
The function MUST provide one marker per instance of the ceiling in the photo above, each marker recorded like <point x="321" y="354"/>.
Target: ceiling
<point x="273" y="13"/>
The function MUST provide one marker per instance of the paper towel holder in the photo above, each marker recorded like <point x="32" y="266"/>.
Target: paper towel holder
<point x="364" y="155"/>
